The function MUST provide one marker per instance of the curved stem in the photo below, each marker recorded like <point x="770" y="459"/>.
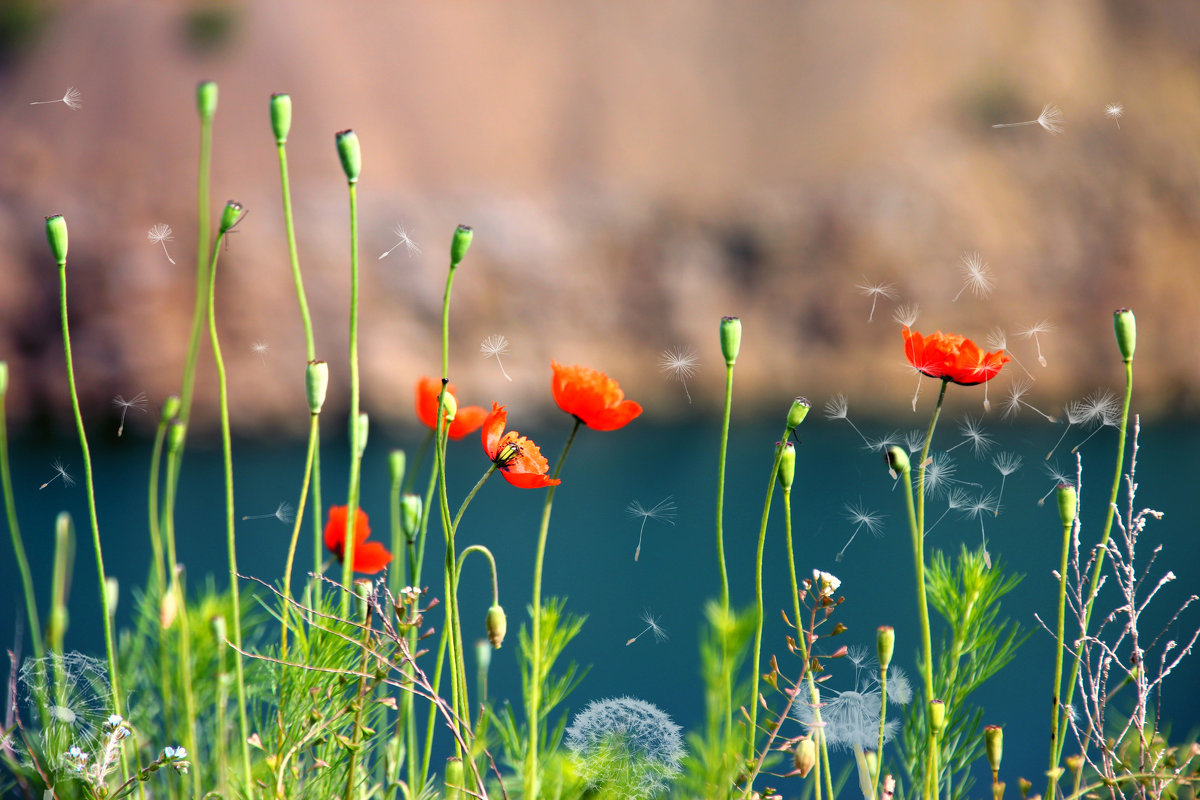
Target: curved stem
<point x="356" y="447"/>
<point x="10" y="508"/>
<point x="478" y="548"/>
<point x="313" y="435"/>
<point x="758" y="599"/>
<point x="726" y="672"/>
<point x="301" y="297"/>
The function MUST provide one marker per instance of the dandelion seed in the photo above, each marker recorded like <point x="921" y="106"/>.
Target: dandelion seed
<point x="137" y="402"/>
<point x="914" y="441"/>
<point x="955" y="499"/>
<point x="679" y="364"/>
<point x="978" y="508"/>
<point x="1051" y="119"/>
<point x="1032" y="332"/>
<point x="1104" y="411"/>
<point x="73" y="99"/>
<point x="60" y="471"/>
<point x="1016" y="393"/>
<point x="839" y="408"/>
<point x="1007" y="464"/>
<point x="997" y="340"/>
<point x="260" y="349"/>
<point x="627" y="746"/>
<point x="977" y="276"/>
<point x="940" y="470"/>
<point x="284" y="513"/>
<point x="1115" y="111"/>
<point x="861" y="517"/>
<point x="907" y="314"/>
<point x="850" y="718"/>
<point x="161" y="234"/>
<point x="1076" y="413"/>
<point x="71" y="695"/>
<point x="652" y="625"/>
<point x="876" y="291"/>
<point x="409" y="245"/>
<point x="972" y="431"/>
<point x="663" y="511"/>
<point x="495" y="346"/>
<point x="1056" y="475"/>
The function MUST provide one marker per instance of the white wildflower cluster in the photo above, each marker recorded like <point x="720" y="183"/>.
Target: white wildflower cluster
<point x="825" y="583"/>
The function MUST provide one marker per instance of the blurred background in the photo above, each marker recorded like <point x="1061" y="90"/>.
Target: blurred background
<point x="632" y="171"/>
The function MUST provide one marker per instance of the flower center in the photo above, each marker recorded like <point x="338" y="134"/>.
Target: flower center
<point x="507" y="453"/>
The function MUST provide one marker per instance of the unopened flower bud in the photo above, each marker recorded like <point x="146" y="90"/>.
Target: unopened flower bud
<point x="206" y="99"/>
<point x="364" y="588"/>
<point x="349" y="153"/>
<point x="804" y="756"/>
<point x="362" y="427"/>
<point x="1068" y="501"/>
<point x="731" y="339"/>
<point x="885" y="644"/>
<point x="168" y="609"/>
<point x="112" y="593"/>
<point x="396" y="463"/>
<point x="56" y="234"/>
<point x="797" y="412"/>
<point x="1074" y="763"/>
<point x="453" y="779"/>
<point x="787" y="464"/>
<point x="460" y="244"/>
<point x="993" y="741"/>
<point x="897" y="460"/>
<point x="231" y="215"/>
<point x="937" y="716"/>
<point x="281" y="116"/>
<point x="1126" y="329"/>
<point x="3" y="378"/>
<point x="449" y="407"/>
<point x="1024" y="786"/>
<point x="176" y="435"/>
<point x="410" y="515"/>
<point x="998" y="790"/>
<point x="170" y="408"/>
<point x="316" y="384"/>
<point x="497" y="626"/>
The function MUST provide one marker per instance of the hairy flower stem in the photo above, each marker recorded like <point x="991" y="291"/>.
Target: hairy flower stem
<point x="726" y="672"/>
<point x="1056" y="747"/>
<point x="10" y="508"/>
<point x="356" y="447"/>
<point x="314" y="434"/>
<point x="533" y="713"/>
<point x="883" y="671"/>
<point x="230" y="528"/>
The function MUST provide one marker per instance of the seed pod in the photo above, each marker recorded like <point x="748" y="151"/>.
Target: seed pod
<point x="460" y="244"/>
<point x="731" y="339"/>
<point x="885" y="644"/>
<point x="1125" y="327"/>
<point x="349" y="153"/>
<point x="316" y="384"/>
<point x="281" y="116"/>
<point x="497" y="626"/>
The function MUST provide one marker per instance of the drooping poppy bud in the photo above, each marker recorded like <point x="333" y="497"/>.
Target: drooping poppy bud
<point x="897" y="460"/>
<point x="460" y="244"/>
<point x="998" y="790"/>
<point x="316" y="384"/>
<point x="731" y="339"/>
<point x="56" y="234"/>
<point x="396" y="464"/>
<point x="786" y="452"/>
<point x="206" y="99"/>
<point x="1024" y="785"/>
<point x="497" y="626"/>
<point x="281" y="116"/>
<point x="804" y="756"/>
<point x="1068" y="501"/>
<point x="449" y="407"/>
<point x="885" y="644"/>
<point x="797" y="412"/>
<point x="410" y="516"/>
<point x="1125" y="327"/>
<point x="349" y="153"/>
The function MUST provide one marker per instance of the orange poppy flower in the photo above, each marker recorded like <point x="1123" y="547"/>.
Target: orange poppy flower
<point x="467" y="420"/>
<point x="519" y="460"/>
<point x="951" y="357"/>
<point x="592" y="397"/>
<point x="369" y="557"/>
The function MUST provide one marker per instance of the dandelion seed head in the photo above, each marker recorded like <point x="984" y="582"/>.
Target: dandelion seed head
<point x="983" y="504"/>
<point x="977" y="276"/>
<point x="939" y="474"/>
<point x="996" y="339"/>
<point x="494" y="345"/>
<point x="652" y="624"/>
<point x="1114" y="111"/>
<point x="160" y="233"/>
<point x="137" y="402"/>
<point x="1101" y="407"/>
<point x="1051" y="118"/>
<point x="678" y="363"/>
<point x="663" y="511"/>
<point x="1019" y="388"/>
<point x="972" y="431"/>
<point x="859" y="514"/>
<point x="851" y="717"/>
<point x="880" y="289"/>
<point x="914" y="441"/>
<point x="907" y="314"/>
<point x="1039" y="327"/>
<point x="627" y="745"/>
<point x="73" y="99"/>
<point x="1007" y="463"/>
<point x="838" y="407"/>
<point x="75" y="689"/>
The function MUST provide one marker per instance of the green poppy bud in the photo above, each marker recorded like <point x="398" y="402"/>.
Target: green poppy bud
<point x="56" y="234"/>
<point x="993" y="741"/>
<point x="787" y="464"/>
<point x="362" y="427"/>
<point x="497" y="626"/>
<point x="176" y="435"/>
<point x="281" y="116"/>
<point x="885" y="644"/>
<point x="350" y="154"/>
<point x="1126" y="329"/>
<point x="1024" y="785"/>
<point x="206" y="99"/>
<point x="396" y="467"/>
<point x="449" y="407"/>
<point x="410" y="515"/>
<point x="231" y="215"/>
<point x="170" y="408"/>
<point x="316" y="384"/>
<point x="897" y="460"/>
<point x="1068" y="501"/>
<point x="797" y="412"/>
<point x="731" y="339"/>
<point x="460" y="244"/>
<point x="453" y="779"/>
<point x="363" y="589"/>
<point x="937" y="716"/>
<point x="3" y="378"/>
<point x="998" y="790"/>
<point x="804" y="756"/>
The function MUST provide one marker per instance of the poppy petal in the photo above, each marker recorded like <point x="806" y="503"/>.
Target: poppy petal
<point x="466" y="421"/>
<point x="529" y="480"/>
<point x="371" y="558"/>
<point x="493" y="430"/>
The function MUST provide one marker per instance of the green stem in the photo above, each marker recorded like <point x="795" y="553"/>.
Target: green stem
<point x="752" y="734"/>
<point x="726" y="672"/>
<point x="882" y="721"/>
<point x="313" y="436"/>
<point x="478" y="548"/>
<point x="179" y="595"/>
<point x="356" y="447"/>
<point x="534" y="711"/>
<point x="35" y="626"/>
<point x="360" y="702"/>
<point x="230" y="528"/>
<point x="1058" y="651"/>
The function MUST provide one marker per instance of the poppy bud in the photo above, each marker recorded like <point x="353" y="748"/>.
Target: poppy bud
<point x="1067" y="502"/>
<point x="362" y="427"/>
<point x="937" y="716"/>
<point x="731" y="339"/>
<point x="797" y="412"/>
<point x="460" y="244"/>
<point x="449" y="407"/>
<point x="316" y="384"/>
<point x="1024" y="786"/>
<point x="349" y="153"/>
<point x="281" y="116"/>
<point x="897" y="460"/>
<point x="364" y="588"/>
<point x="168" y="609"/>
<point x="231" y="215"/>
<point x="993" y="741"/>
<point x="1126" y="329"/>
<point x="871" y="758"/>
<point x="56" y="234"/>
<point x="786" y="453"/>
<point x="453" y="779"/>
<point x="3" y="378"/>
<point x="170" y="408"/>
<point x="804" y="756"/>
<point x="1074" y="763"/>
<point x="997" y="790"/>
<point x="176" y="435"/>
<point x="497" y="626"/>
<point x="206" y="99"/>
<point x="396" y="467"/>
<point x="885" y="644"/>
<point x="410" y="515"/>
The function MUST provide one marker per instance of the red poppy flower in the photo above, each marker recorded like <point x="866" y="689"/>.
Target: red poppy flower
<point x="519" y="460"/>
<point x="369" y="557"/>
<point x="952" y="357"/>
<point x="592" y="397"/>
<point x="467" y="420"/>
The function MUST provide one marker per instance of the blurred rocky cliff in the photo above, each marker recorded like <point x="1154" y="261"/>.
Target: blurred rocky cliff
<point x="633" y="171"/>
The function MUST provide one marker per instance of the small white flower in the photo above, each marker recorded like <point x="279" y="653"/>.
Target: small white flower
<point x="827" y="584"/>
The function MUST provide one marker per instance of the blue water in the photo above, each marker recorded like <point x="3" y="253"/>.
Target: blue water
<point x="592" y="540"/>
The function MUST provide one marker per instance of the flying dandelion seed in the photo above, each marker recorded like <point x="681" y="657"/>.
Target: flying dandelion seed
<point x="1076" y="413"/>
<point x="1115" y="111"/>
<point x="914" y="441"/>
<point x="680" y="365"/>
<point x="409" y="245"/>
<point x="839" y="408"/>
<point x="1016" y="393"/>
<point x="977" y="509"/>
<point x="284" y="513"/>
<point x="1051" y="119"/>
<point x="907" y="314"/>
<point x="60" y="471"/>
<point x="972" y="432"/>
<point x="1032" y="332"/>
<point x="876" y="291"/>
<point x="956" y="499"/>
<point x="940" y="471"/>
<point x="663" y="511"/>
<point x="850" y="719"/>
<point x="884" y="442"/>
<point x="137" y="402"/>
<point x="861" y="517"/>
<point x="977" y="276"/>
<point x="161" y="234"/>
<point x="1007" y="464"/>
<point x="73" y="99"/>
<point x="997" y="340"/>
<point x="652" y="626"/>
<point x="1059" y="477"/>
<point x="1103" y="410"/>
<point x="260" y="349"/>
<point x="495" y="346"/>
